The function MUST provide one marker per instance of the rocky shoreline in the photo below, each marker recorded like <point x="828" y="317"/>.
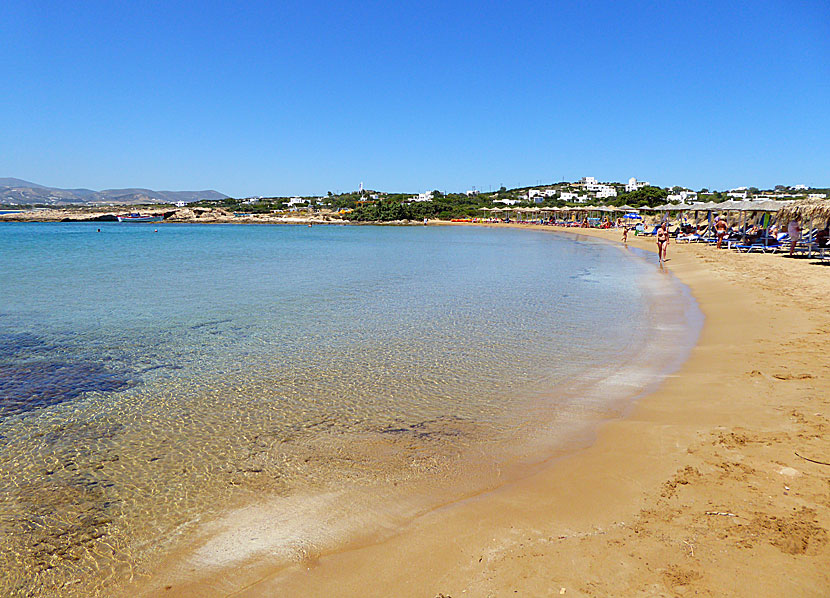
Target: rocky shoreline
<point x="185" y="215"/>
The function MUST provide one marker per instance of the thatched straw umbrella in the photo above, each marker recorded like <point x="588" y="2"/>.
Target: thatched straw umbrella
<point x="805" y="209"/>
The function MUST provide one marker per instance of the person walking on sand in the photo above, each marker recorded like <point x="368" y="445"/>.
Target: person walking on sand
<point x="721" y="227"/>
<point x="662" y="242"/>
<point x="794" y="231"/>
<point x="625" y="234"/>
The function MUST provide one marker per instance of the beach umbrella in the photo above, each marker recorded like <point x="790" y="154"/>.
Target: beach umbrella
<point x="770" y="205"/>
<point x="805" y="209"/>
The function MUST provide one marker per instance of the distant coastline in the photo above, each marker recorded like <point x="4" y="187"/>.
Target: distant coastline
<point x="169" y="215"/>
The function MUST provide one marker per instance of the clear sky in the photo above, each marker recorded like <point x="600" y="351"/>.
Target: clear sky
<point x="283" y="98"/>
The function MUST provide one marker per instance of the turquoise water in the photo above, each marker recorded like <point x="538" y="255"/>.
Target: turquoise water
<point x="150" y="381"/>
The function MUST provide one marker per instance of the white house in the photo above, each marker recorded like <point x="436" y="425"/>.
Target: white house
<point x="423" y="196"/>
<point x="633" y="184"/>
<point x="817" y="196"/>
<point x="568" y="196"/>
<point x="590" y="184"/>
<point x="606" y="191"/>
<point x="683" y="197"/>
<point x="295" y="201"/>
<point x="550" y="192"/>
<point x="471" y="192"/>
<point x="737" y="194"/>
<point x="507" y="201"/>
<point x="800" y="187"/>
<point x="531" y="193"/>
<point x="181" y="204"/>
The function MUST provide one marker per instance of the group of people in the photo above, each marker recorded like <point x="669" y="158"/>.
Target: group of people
<point x="722" y="231"/>
<point x="662" y="236"/>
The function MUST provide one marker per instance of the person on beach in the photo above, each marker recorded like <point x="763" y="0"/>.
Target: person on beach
<point x="662" y="242"/>
<point x="721" y="227"/>
<point x="625" y="234"/>
<point x="823" y="237"/>
<point x="794" y="231"/>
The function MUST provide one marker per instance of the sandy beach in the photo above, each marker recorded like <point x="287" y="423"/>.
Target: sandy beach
<point x="716" y="484"/>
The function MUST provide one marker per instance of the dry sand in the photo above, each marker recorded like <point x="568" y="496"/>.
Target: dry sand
<point x="704" y="489"/>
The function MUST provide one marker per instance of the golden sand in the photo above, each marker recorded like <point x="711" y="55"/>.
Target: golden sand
<point x="710" y="486"/>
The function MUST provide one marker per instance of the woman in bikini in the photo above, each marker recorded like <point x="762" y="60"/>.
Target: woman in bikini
<point x="662" y="242"/>
<point x="722" y="228"/>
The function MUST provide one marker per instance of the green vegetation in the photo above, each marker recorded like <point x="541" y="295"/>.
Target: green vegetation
<point x="375" y="206"/>
<point x="647" y="196"/>
<point x="444" y="207"/>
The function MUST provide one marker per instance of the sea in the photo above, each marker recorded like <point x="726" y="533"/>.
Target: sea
<point x="156" y="380"/>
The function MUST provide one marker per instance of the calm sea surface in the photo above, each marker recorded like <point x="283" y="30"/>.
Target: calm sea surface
<point x="151" y="381"/>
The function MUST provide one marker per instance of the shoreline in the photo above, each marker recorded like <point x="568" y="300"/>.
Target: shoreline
<point x="656" y="500"/>
<point x="244" y="534"/>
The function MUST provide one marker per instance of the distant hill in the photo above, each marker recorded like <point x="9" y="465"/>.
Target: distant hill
<point x="20" y="192"/>
<point x="9" y="182"/>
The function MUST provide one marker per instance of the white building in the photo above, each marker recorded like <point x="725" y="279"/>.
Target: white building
<point x="737" y="194"/>
<point x="181" y="204"/>
<point x="606" y="191"/>
<point x="423" y="196"/>
<point x="531" y="193"/>
<point x="507" y="201"/>
<point x="471" y="192"/>
<point x="568" y="196"/>
<point x="590" y="184"/>
<point x="294" y="201"/>
<point x="800" y="187"/>
<point x="633" y="184"/>
<point x="683" y="197"/>
<point x="817" y="196"/>
<point x="550" y="192"/>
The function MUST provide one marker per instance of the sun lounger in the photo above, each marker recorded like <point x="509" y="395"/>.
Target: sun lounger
<point x="756" y="246"/>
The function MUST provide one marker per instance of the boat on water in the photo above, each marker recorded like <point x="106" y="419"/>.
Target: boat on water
<point x="136" y="217"/>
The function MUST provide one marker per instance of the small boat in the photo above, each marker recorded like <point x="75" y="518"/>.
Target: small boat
<point x="136" y="217"/>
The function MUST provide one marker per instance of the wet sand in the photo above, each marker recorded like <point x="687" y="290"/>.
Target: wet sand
<point x="706" y="488"/>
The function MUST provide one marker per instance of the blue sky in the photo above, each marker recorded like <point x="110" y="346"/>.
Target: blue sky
<point x="271" y="98"/>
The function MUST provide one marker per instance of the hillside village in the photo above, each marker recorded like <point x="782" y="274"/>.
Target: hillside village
<point x="367" y="204"/>
<point x="374" y="205"/>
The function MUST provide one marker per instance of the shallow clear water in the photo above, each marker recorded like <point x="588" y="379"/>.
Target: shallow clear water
<point x="150" y="380"/>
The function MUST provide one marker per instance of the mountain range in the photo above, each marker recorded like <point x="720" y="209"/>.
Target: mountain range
<point x="20" y="192"/>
